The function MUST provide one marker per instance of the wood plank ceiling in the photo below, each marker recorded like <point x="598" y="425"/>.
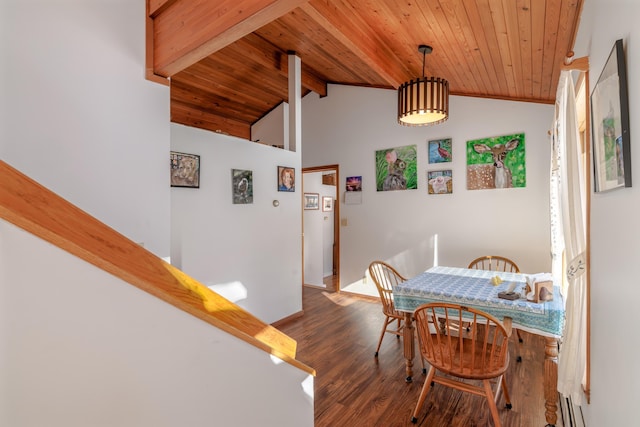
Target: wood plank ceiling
<point x="227" y="59"/>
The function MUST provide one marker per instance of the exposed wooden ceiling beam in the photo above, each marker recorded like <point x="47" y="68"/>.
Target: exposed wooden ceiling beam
<point x="155" y="7"/>
<point x="490" y="49"/>
<point x="184" y="32"/>
<point x="360" y="39"/>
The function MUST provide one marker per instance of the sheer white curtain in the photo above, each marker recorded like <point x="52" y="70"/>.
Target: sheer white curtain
<point x="568" y="175"/>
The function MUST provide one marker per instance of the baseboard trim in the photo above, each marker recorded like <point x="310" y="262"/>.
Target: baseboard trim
<point x="285" y="320"/>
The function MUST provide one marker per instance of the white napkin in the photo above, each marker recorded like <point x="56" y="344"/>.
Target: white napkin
<point x="532" y="279"/>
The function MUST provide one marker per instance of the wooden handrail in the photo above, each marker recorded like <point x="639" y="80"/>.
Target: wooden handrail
<point x="37" y="210"/>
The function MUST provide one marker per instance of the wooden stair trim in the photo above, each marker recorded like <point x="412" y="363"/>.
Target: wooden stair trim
<point x="37" y="210"/>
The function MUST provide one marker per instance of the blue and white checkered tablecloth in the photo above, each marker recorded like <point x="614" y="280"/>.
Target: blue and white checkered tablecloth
<point x="473" y="288"/>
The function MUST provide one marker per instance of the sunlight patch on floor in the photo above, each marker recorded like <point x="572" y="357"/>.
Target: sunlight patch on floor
<point x="338" y="298"/>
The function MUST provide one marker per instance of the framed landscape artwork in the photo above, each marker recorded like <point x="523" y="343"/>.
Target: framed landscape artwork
<point x="311" y="201"/>
<point x="354" y="183"/>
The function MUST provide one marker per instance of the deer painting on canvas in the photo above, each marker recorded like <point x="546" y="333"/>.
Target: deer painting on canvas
<point x="497" y="162"/>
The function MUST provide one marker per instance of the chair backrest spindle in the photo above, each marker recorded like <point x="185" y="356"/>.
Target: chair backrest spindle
<point x="385" y="278"/>
<point x="494" y="263"/>
<point x="469" y="354"/>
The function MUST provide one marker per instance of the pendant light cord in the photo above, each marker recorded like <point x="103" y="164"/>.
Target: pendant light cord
<point x="424" y="49"/>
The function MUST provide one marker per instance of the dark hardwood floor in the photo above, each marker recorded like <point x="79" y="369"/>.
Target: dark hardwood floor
<point x="337" y="335"/>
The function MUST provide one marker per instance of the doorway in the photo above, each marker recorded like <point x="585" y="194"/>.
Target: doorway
<point x="321" y="228"/>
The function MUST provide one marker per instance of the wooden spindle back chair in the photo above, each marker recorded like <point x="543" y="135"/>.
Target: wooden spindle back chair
<point x="385" y="277"/>
<point x="481" y="353"/>
<point x="497" y="263"/>
<point x="494" y="263"/>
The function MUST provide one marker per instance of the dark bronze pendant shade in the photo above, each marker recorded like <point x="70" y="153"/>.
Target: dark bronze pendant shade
<point x="423" y="101"/>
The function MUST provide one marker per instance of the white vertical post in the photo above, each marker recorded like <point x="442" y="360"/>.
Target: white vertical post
<point x="295" y="103"/>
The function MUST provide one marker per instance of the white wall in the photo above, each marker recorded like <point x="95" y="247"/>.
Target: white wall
<point x="615" y="233"/>
<point x="79" y="117"/>
<point x="87" y="349"/>
<point x="351" y="123"/>
<point x="272" y="129"/>
<point x="257" y="246"/>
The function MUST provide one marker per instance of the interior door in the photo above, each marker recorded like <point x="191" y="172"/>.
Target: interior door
<point x="321" y="232"/>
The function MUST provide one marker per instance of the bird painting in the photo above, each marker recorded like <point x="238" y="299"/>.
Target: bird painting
<point x="440" y="151"/>
<point x="443" y="151"/>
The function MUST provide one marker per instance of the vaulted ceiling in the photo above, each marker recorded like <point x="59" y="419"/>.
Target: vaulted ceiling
<point x="226" y="60"/>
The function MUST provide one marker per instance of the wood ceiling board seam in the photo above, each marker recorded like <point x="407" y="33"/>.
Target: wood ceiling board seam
<point x="499" y="22"/>
<point x="457" y="18"/>
<point x="525" y="27"/>
<point x="551" y="25"/>
<point x="485" y="52"/>
<point x="538" y="10"/>
<point x="446" y="55"/>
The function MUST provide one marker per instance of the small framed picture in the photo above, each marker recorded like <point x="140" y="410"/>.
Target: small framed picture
<point x="286" y="179"/>
<point x="440" y="182"/>
<point x="242" y="186"/>
<point x="185" y="170"/>
<point x="327" y="204"/>
<point x="311" y="201"/>
<point x="440" y="151"/>
<point x="354" y="183"/>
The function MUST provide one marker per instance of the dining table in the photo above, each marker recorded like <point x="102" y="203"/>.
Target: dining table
<point x="479" y="289"/>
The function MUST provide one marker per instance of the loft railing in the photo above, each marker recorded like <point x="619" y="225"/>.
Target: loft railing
<point x="37" y="210"/>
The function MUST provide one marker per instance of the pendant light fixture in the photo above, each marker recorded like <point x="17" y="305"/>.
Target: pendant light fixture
<point x="423" y="101"/>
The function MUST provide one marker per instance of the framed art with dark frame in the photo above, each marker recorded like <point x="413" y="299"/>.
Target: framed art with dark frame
<point x="286" y="179"/>
<point x="610" y="124"/>
<point x="185" y="170"/>
<point x="311" y="201"/>
<point x="242" y="186"/>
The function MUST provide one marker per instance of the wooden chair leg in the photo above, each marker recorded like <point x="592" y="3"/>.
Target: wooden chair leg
<point x="424" y="369"/>
<point x="384" y="330"/>
<point x="518" y="357"/>
<point x="505" y="391"/>
<point x="423" y="394"/>
<point x="492" y="403"/>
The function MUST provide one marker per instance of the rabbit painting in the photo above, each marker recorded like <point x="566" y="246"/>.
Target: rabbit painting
<point x="396" y="168"/>
<point x="395" y="179"/>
